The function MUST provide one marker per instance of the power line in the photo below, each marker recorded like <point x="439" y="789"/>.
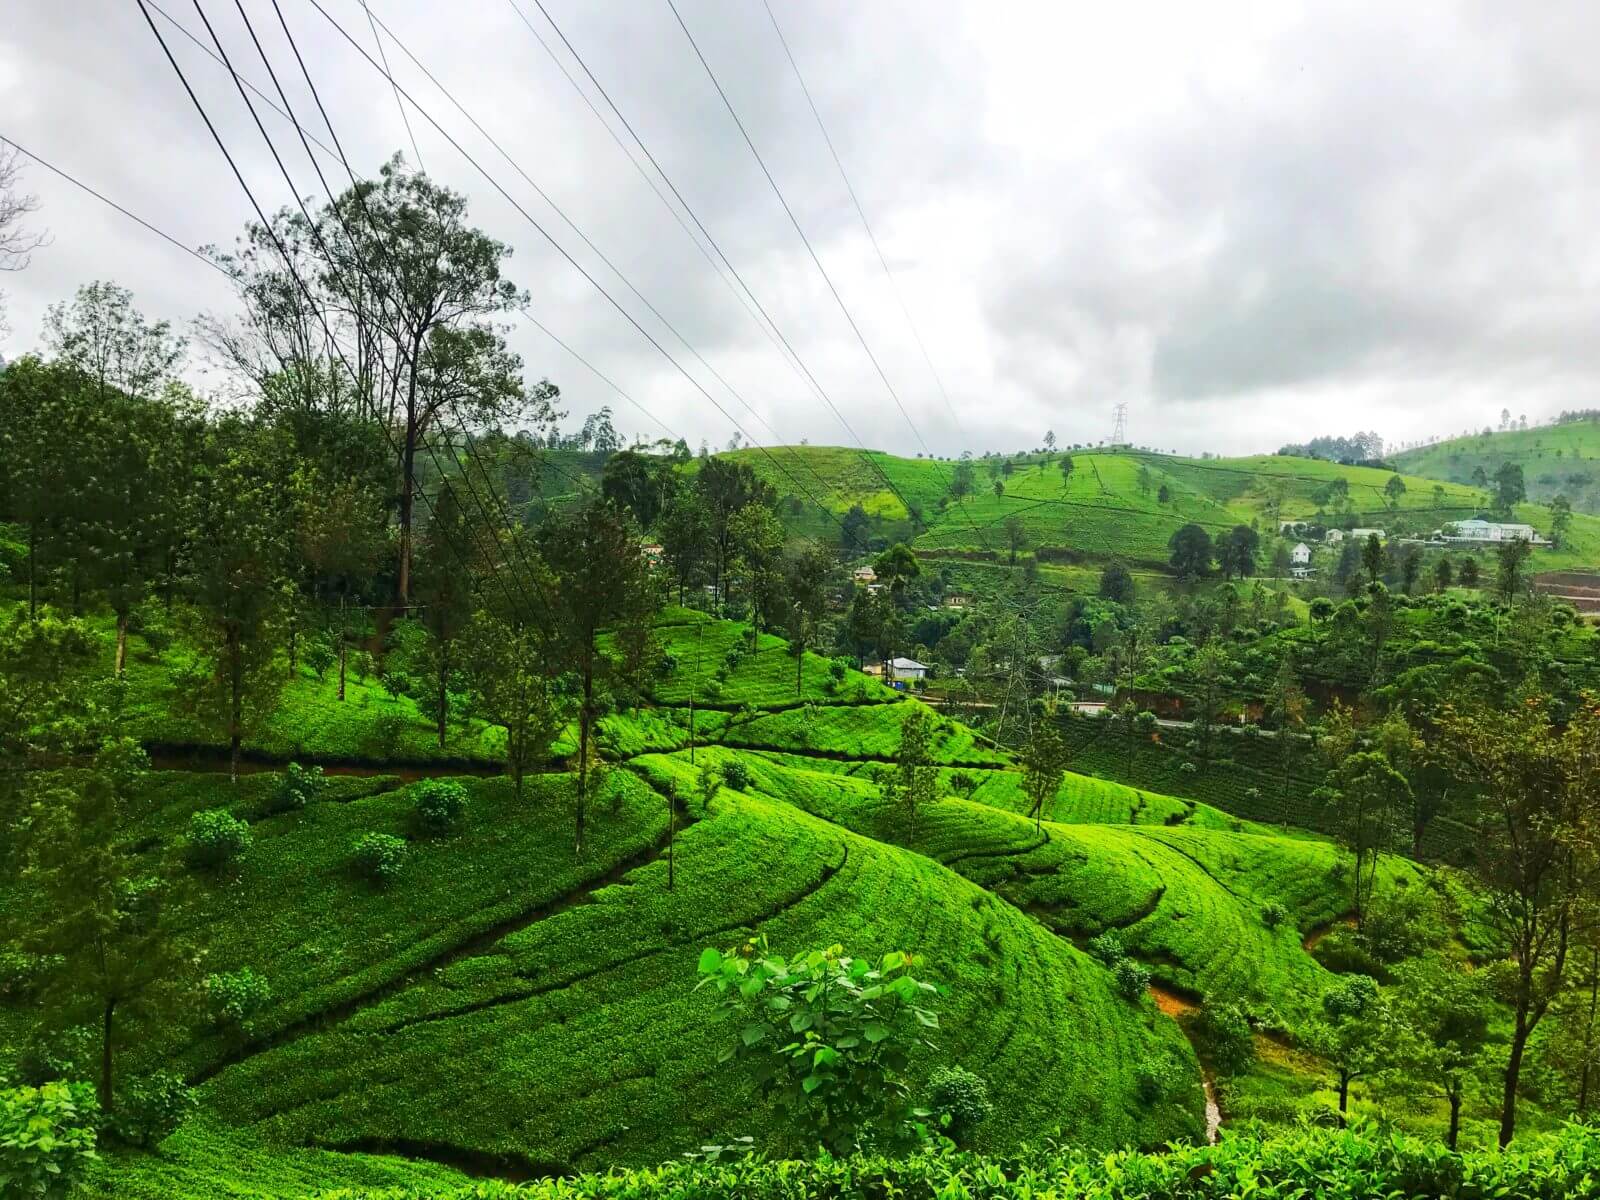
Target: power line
<point x="106" y="200"/>
<point x="407" y="546"/>
<point x="384" y="55"/>
<point x="816" y="261"/>
<point x="560" y="249"/>
<point x="332" y="154"/>
<point x="615" y="270"/>
<point x="282" y="250"/>
<point x="894" y="284"/>
<point x="797" y="362"/>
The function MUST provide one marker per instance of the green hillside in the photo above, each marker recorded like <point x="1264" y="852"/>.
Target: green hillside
<point x="506" y="1006"/>
<point x="1112" y="505"/>
<point x="1555" y="459"/>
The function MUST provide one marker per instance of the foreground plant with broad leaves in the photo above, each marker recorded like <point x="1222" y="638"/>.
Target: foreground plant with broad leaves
<point x="831" y="1035"/>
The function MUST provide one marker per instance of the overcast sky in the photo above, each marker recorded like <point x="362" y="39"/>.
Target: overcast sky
<point x="1251" y="222"/>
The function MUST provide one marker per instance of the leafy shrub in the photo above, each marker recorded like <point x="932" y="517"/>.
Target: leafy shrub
<point x="837" y="669"/>
<point x="21" y="973"/>
<point x="1132" y="979"/>
<point x="320" y="657"/>
<point x="57" y="1055"/>
<point x="154" y="626"/>
<point x="378" y="857"/>
<point x="396" y="683"/>
<point x="960" y="1101"/>
<point x="1188" y="768"/>
<point x="844" y="1078"/>
<point x="1223" y="1034"/>
<point x="387" y="730"/>
<point x="1108" y="947"/>
<point x="360" y="663"/>
<point x="216" y="839"/>
<point x="47" y="1136"/>
<point x="735" y="774"/>
<point x="152" y="1109"/>
<point x="235" y="998"/>
<point x="1345" y="954"/>
<point x="1404" y="923"/>
<point x="439" y="804"/>
<point x="1273" y="914"/>
<point x="296" y="787"/>
<point x="1153" y="1079"/>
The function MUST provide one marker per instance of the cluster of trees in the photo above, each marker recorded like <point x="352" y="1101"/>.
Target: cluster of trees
<point x="1192" y="552"/>
<point x="1357" y="448"/>
<point x="289" y="528"/>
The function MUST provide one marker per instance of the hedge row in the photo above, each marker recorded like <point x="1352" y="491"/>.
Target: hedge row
<point x="1326" y="1164"/>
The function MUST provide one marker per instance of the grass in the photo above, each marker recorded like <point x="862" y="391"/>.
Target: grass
<point x="206" y="1160"/>
<point x="1554" y="459"/>
<point x="1186" y="898"/>
<point x="294" y="911"/>
<point x="511" y="1006"/>
<point x="581" y="1034"/>
<point x="1111" y="507"/>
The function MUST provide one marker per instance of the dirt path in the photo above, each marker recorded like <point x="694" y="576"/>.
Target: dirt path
<point x="1175" y="1005"/>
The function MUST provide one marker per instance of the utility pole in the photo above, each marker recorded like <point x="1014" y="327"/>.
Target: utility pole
<point x="1119" y="432"/>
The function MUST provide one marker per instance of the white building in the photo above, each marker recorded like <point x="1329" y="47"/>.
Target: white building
<point x="1301" y="555"/>
<point x="864" y="575"/>
<point x="1489" y="531"/>
<point x="1362" y="535"/>
<point x="907" y="669"/>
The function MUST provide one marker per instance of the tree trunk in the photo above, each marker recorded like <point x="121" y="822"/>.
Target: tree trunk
<point x="1508" y="1101"/>
<point x="33" y="571"/>
<point x="799" y="669"/>
<point x="122" y="643"/>
<point x="1588" y="1033"/>
<point x="342" y="648"/>
<point x="106" y="1094"/>
<point x="1455" y="1119"/>
<point x="585" y="714"/>
<point x="672" y="829"/>
<point x="408" y="467"/>
<point x="444" y="691"/>
<point x="1344" y="1098"/>
<point x="236" y="706"/>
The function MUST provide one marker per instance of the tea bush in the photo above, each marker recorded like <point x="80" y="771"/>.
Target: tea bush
<point x="152" y="1109"/>
<point x="439" y="804"/>
<point x="216" y="839"/>
<point x="378" y="857"/>
<point x="235" y="997"/>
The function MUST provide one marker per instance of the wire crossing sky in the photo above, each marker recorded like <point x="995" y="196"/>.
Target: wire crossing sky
<point x="1251" y="223"/>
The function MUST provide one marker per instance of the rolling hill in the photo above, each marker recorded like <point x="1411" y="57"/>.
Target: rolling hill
<point x="1555" y="459"/>
<point x="506" y="1007"/>
<point x="1122" y="504"/>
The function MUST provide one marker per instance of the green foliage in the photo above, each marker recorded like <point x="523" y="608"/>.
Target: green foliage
<point x="298" y="787"/>
<point x="959" y="1102"/>
<point x="440" y="804"/>
<point x="736" y="774"/>
<point x="378" y="857"/>
<point x="831" y="1036"/>
<point x="236" y="998"/>
<point x="47" y="1138"/>
<point x="1224" y="1036"/>
<point x="1108" y="947"/>
<point x="1273" y="914"/>
<point x="152" y="1109"/>
<point x="1132" y="978"/>
<point x="216" y="839"/>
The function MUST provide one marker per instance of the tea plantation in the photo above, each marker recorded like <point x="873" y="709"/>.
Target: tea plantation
<point x="499" y="1005"/>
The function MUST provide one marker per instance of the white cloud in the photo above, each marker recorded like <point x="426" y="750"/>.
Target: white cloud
<point x="1253" y="222"/>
